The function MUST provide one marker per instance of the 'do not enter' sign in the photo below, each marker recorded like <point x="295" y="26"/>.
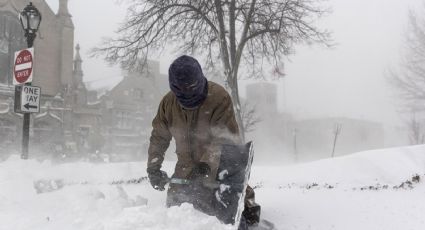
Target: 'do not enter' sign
<point x="23" y="69"/>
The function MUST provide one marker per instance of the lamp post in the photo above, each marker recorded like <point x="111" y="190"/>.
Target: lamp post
<point x="30" y="19"/>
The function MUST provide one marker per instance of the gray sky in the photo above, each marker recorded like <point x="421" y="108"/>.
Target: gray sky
<point x="347" y="80"/>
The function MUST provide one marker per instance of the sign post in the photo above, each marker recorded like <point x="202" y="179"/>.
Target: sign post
<point x="30" y="19"/>
<point x="27" y="97"/>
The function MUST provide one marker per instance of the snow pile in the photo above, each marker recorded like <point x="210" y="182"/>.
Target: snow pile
<point x="366" y="191"/>
<point x="389" y="166"/>
<point x="183" y="217"/>
<point x="82" y="196"/>
<point x="71" y="172"/>
<point x="322" y="195"/>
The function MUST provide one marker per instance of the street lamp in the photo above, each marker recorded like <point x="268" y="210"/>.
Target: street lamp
<point x="30" y="19"/>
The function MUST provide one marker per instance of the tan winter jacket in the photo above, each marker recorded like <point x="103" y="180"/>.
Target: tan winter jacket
<point x="198" y="133"/>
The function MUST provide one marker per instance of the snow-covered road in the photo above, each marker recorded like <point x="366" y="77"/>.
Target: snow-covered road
<point x="353" y="192"/>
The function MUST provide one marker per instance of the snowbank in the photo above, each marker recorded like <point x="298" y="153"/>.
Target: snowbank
<point x="288" y="195"/>
<point x="390" y="166"/>
<point x="88" y="200"/>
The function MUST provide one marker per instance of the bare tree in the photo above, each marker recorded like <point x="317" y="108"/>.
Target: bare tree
<point x="416" y="130"/>
<point x="409" y="78"/>
<point x="249" y="117"/>
<point x="253" y="32"/>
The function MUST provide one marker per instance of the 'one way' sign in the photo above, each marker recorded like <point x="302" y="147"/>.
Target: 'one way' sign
<point x="30" y="99"/>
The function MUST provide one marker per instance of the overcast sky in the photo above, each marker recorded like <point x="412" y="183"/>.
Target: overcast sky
<point x="347" y="80"/>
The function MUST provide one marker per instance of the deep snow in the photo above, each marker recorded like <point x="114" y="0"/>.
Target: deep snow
<point x="360" y="191"/>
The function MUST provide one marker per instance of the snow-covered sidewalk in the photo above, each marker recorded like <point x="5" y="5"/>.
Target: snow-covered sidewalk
<point x="360" y="191"/>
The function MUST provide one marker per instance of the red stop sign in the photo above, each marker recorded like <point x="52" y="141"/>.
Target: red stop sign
<point x="23" y="66"/>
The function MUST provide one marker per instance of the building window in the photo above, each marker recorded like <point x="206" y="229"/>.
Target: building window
<point x="84" y="133"/>
<point x="11" y="40"/>
<point x="137" y="93"/>
<point x="124" y="119"/>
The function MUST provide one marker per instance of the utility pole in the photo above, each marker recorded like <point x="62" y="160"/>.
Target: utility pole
<point x="336" y="131"/>
<point x="294" y="135"/>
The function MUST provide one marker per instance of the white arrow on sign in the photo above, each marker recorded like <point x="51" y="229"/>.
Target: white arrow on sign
<point x="30" y="99"/>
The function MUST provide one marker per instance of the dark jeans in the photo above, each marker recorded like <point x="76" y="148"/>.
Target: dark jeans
<point x="203" y="199"/>
<point x="200" y="197"/>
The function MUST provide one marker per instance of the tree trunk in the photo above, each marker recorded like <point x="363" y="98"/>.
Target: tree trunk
<point x="234" y="93"/>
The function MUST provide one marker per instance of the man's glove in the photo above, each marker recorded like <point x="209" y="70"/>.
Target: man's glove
<point x="158" y="179"/>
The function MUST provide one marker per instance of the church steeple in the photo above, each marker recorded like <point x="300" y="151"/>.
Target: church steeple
<point x="65" y="28"/>
<point x="64" y="15"/>
<point x="63" y="8"/>
<point x="79" y="89"/>
<point x="78" y="70"/>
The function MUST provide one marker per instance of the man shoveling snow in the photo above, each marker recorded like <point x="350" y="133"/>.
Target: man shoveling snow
<point x="199" y="115"/>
